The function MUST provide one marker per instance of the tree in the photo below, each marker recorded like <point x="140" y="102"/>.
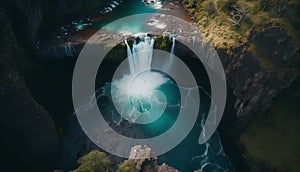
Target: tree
<point x="95" y="161"/>
<point x="126" y="166"/>
<point x="237" y="15"/>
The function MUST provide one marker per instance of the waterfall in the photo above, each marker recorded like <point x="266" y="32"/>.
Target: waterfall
<point x="69" y="50"/>
<point x="129" y="56"/>
<point x="60" y="51"/>
<point x="140" y="57"/>
<point x="169" y="64"/>
<point x="193" y="38"/>
<point x="136" y="94"/>
<point x="173" y="47"/>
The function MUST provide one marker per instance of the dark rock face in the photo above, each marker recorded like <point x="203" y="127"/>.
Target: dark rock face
<point x="25" y="125"/>
<point x="26" y="19"/>
<point x="30" y="139"/>
<point x="257" y="74"/>
<point x="29" y="18"/>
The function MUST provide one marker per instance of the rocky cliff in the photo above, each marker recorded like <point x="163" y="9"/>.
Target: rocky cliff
<point x="256" y="71"/>
<point x="28" y="132"/>
<point x="258" y="44"/>
<point x="29" y="136"/>
<point x="259" y="69"/>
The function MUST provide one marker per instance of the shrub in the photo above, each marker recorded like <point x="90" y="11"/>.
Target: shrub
<point x="126" y="166"/>
<point x="95" y="161"/>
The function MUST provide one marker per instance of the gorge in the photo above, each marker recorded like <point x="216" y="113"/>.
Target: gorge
<point x="40" y="41"/>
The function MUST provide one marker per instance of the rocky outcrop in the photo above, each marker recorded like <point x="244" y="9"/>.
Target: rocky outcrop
<point x="25" y="125"/>
<point x="165" y="167"/>
<point x="152" y="166"/>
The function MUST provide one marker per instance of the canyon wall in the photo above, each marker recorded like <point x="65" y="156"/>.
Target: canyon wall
<point x="29" y="135"/>
<point x="257" y="70"/>
<point x="28" y="132"/>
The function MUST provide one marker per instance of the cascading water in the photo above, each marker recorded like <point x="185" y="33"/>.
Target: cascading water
<point x="140" y="57"/>
<point x="173" y="43"/>
<point x="171" y="59"/>
<point x="138" y="89"/>
<point x="129" y="54"/>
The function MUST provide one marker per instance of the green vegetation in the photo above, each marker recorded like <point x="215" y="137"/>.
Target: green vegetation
<point x="126" y="166"/>
<point x="272" y="138"/>
<point x="95" y="161"/>
<point x="163" y="44"/>
<point x="226" y="24"/>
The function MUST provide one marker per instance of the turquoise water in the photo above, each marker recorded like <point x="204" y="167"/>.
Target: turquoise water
<point x="127" y="8"/>
<point x="142" y="131"/>
<point x="188" y="155"/>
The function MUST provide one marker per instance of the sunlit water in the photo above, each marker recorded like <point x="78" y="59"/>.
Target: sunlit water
<point x="125" y="8"/>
